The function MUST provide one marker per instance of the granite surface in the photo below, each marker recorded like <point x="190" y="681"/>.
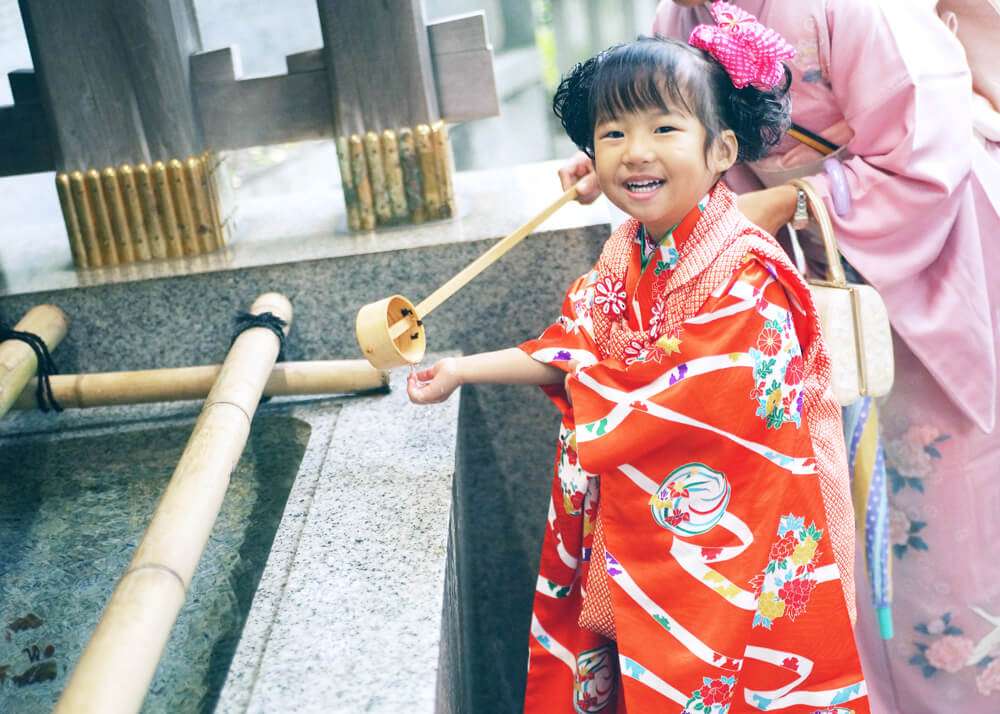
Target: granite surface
<point x="352" y="621"/>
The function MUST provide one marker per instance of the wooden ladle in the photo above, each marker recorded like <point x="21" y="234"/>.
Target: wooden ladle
<point x="390" y="331"/>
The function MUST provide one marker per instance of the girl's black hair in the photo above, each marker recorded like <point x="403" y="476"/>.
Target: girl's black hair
<point x="655" y="72"/>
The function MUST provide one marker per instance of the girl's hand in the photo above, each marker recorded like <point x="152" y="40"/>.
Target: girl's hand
<point x="769" y="208"/>
<point x="434" y="384"/>
<point x="580" y="170"/>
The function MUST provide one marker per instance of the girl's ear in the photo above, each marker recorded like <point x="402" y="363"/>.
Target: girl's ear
<point x="725" y="150"/>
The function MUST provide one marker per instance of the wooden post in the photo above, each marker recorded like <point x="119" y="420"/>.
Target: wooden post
<point x="378" y="63"/>
<point x="18" y="363"/>
<point x="81" y="391"/>
<point x="124" y="97"/>
<point x="114" y="671"/>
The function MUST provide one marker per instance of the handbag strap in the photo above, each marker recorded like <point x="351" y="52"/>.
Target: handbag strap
<point x="834" y="269"/>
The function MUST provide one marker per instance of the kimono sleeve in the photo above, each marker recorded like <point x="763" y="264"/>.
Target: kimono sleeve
<point x="903" y="85"/>
<point x="569" y="342"/>
<point x="736" y="369"/>
<point x="916" y="230"/>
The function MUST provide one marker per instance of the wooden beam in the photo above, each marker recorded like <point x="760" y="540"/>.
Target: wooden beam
<point x="463" y="68"/>
<point x="24" y="135"/>
<point x="236" y="113"/>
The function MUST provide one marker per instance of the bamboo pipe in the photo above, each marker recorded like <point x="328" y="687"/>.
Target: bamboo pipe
<point x="114" y="671"/>
<point x="82" y="391"/>
<point x="18" y="363"/>
<point x="480" y="264"/>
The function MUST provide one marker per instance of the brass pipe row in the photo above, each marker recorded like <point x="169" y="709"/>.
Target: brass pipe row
<point x="397" y="177"/>
<point x="133" y="214"/>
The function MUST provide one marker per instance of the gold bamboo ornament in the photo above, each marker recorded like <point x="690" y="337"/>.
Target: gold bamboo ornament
<point x="394" y="176"/>
<point x="115" y="669"/>
<point x="101" y="389"/>
<point x="412" y="183"/>
<point x="73" y="230"/>
<point x="133" y="209"/>
<point x="18" y="363"/>
<point x="131" y="214"/>
<point x="120" y="233"/>
<point x="102" y="218"/>
<point x="390" y="332"/>
<point x="150" y="212"/>
<point x="443" y="164"/>
<point x="403" y="176"/>
<point x="428" y="171"/>
<point x="376" y="174"/>
<point x="347" y="183"/>
<point x="85" y="217"/>
<point x="362" y="182"/>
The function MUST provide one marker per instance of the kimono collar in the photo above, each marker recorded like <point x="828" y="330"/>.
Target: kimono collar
<point x="714" y="234"/>
<point x="674" y="237"/>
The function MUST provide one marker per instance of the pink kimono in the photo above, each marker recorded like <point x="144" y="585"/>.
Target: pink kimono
<point x="893" y="85"/>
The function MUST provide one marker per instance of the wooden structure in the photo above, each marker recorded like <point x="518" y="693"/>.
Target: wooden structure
<point x="115" y="669"/>
<point x="139" y="94"/>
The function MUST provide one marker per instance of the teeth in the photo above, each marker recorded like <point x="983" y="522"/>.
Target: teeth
<point x="643" y="186"/>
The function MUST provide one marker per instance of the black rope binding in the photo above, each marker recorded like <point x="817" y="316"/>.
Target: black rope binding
<point x="46" y="365"/>
<point x="245" y="320"/>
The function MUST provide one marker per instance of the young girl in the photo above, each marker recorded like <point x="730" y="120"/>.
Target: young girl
<point x="699" y="550"/>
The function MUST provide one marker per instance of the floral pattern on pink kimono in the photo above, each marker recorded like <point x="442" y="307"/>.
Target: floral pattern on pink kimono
<point x="890" y="82"/>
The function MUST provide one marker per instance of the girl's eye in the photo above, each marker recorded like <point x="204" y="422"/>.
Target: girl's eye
<point x="613" y="134"/>
<point x="664" y="129"/>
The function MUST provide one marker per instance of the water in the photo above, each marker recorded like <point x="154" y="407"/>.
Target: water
<point x="73" y="509"/>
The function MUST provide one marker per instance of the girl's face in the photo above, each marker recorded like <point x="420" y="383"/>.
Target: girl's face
<point x="653" y="164"/>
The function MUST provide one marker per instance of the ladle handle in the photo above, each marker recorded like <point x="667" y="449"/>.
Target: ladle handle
<point x="458" y="281"/>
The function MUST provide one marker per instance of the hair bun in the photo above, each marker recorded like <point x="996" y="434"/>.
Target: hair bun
<point x="759" y="117"/>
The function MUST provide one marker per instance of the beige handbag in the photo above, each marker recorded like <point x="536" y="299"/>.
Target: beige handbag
<point x="853" y="319"/>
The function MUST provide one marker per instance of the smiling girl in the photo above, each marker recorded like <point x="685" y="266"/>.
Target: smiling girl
<point x="699" y="549"/>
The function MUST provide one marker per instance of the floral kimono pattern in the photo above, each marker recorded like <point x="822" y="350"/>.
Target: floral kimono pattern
<point x="691" y="461"/>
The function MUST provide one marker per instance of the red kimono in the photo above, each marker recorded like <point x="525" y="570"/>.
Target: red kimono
<point x="701" y="469"/>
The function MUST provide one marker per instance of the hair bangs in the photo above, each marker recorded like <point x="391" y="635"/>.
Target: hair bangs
<point x="636" y="78"/>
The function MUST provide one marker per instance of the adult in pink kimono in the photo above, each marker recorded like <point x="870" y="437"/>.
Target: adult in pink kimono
<point x="891" y="85"/>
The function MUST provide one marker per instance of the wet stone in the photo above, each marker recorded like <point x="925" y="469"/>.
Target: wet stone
<point x="73" y="509"/>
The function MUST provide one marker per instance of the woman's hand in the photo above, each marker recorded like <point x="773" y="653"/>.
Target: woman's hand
<point x="580" y="170"/>
<point x="434" y="384"/>
<point x="769" y="208"/>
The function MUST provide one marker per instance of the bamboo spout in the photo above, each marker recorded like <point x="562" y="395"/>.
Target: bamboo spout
<point x="100" y="389"/>
<point x="18" y="363"/>
<point x="114" y="671"/>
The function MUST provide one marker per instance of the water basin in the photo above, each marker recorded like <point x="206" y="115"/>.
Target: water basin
<point x="73" y="506"/>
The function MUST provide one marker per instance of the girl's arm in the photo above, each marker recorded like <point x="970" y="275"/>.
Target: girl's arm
<point x="510" y="366"/>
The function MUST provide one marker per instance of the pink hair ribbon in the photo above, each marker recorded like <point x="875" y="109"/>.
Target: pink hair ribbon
<point x="750" y="52"/>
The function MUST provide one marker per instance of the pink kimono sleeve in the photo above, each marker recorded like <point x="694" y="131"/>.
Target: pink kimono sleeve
<point x="904" y="88"/>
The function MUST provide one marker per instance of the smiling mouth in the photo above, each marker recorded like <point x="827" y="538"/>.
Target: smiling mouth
<point x="646" y="186"/>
